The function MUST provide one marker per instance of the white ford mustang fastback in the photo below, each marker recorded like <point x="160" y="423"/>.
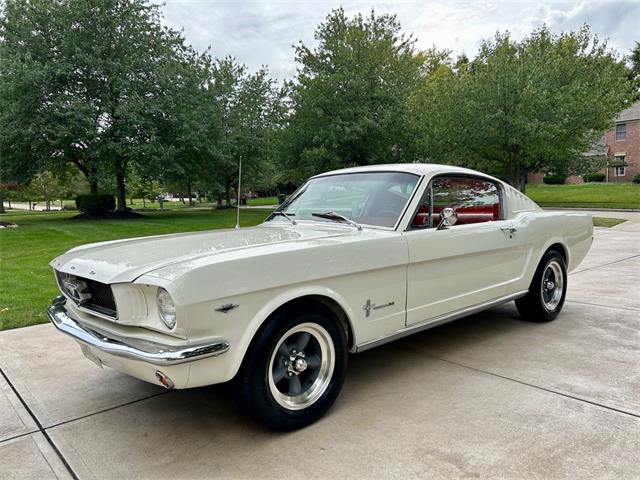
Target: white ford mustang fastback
<point x="353" y="259"/>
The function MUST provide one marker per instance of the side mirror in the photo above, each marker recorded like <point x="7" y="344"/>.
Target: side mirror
<point x="448" y="217"/>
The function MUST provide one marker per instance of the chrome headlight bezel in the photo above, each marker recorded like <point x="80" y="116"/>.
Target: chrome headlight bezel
<point x="166" y="308"/>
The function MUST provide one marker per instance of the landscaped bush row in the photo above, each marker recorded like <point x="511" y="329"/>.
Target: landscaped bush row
<point x="636" y="179"/>
<point x="594" y="177"/>
<point x="554" y="179"/>
<point x="96" y="203"/>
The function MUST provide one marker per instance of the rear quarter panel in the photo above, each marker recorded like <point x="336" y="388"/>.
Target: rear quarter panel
<point x="539" y="230"/>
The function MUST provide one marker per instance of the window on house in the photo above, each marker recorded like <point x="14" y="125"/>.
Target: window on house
<point x="621" y="131"/>
<point x="619" y="171"/>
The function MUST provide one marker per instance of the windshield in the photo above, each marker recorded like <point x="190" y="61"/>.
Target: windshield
<point x="373" y="198"/>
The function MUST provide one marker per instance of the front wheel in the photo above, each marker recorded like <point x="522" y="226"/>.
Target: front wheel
<point x="547" y="291"/>
<point x="294" y="370"/>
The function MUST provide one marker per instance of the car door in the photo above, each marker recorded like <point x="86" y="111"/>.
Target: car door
<point x="466" y="264"/>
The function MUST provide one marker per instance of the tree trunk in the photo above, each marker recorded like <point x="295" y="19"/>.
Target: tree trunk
<point x="518" y="176"/>
<point x="121" y="199"/>
<point x="89" y="173"/>
<point x="47" y="205"/>
<point x="227" y="191"/>
<point x="2" y="204"/>
<point x="144" y="202"/>
<point x="189" y="194"/>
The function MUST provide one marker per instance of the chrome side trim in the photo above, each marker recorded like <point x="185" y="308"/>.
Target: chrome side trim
<point x="434" y="322"/>
<point x="144" y="351"/>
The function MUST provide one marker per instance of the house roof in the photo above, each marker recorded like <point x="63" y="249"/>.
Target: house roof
<point x="631" y="113"/>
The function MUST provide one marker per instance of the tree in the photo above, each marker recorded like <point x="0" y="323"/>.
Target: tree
<point x="82" y="83"/>
<point x="46" y="186"/>
<point x="143" y="187"/>
<point x="634" y="68"/>
<point x="521" y="107"/>
<point x="350" y="93"/>
<point x="248" y="112"/>
<point x="190" y="127"/>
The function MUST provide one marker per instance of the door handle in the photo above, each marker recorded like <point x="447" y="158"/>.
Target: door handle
<point x="510" y="229"/>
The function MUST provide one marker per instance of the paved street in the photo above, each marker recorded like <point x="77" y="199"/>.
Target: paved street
<point x="485" y="396"/>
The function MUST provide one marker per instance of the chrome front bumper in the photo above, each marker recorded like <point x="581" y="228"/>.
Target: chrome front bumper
<point x="143" y="350"/>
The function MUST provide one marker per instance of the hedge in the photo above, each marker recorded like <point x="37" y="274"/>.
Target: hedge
<point x="96" y="203"/>
<point x="554" y="179"/>
<point x="594" y="177"/>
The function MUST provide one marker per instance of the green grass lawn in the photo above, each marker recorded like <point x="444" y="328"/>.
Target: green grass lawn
<point x="607" y="222"/>
<point x="262" y="201"/>
<point x="586" y="195"/>
<point x="26" y="281"/>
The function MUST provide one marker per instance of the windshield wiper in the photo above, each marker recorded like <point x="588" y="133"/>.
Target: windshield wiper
<point x="285" y="215"/>
<point x="338" y="218"/>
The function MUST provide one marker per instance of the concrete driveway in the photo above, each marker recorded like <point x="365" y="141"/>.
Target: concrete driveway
<point x="486" y="396"/>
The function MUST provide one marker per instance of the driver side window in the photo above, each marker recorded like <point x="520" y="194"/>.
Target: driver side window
<point x="473" y="199"/>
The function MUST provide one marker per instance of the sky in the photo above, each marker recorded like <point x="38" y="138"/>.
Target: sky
<point x="264" y="33"/>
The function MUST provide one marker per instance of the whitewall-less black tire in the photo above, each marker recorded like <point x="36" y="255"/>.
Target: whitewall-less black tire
<point x="294" y="369"/>
<point x="547" y="291"/>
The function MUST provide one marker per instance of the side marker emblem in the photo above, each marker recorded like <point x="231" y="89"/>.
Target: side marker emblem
<point x="367" y="307"/>
<point x="226" y="308"/>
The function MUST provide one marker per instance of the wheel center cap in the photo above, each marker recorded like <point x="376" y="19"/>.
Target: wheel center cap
<point x="550" y="285"/>
<point x="300" y="365"/>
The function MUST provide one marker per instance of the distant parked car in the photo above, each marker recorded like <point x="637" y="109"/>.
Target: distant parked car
<point x="353" y="259"/>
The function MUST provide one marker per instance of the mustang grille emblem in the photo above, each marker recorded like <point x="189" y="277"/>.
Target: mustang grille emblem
<point x="76" y="290"/>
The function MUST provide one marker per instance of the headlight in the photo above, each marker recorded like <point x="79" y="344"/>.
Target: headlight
<point x="166" y="308"/>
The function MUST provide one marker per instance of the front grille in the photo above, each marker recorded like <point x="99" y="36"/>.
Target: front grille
<point x="88" y="293"/>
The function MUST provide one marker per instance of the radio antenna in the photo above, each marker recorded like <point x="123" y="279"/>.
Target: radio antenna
<point x="239" y="187"/>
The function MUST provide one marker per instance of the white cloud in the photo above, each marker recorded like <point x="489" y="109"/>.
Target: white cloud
<point x="263" y="33"/>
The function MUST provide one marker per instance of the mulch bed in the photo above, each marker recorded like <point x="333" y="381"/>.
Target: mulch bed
<point x="109" y="216"/>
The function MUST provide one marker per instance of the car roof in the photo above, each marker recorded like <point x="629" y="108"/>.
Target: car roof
<point x="427" y="169"/>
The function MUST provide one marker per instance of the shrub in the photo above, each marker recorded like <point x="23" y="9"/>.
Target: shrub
<point x="594" y="177"/>
<point x="554" y="179"/>
<point x="636" y="179"/>
<point x="96" y="203"/>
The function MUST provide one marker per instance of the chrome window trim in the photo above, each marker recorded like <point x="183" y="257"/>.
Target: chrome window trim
<point x="498" y="185"/>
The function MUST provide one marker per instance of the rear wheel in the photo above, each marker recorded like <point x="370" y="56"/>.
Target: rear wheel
<point x="547" y="291"/>
<point x="294" y="370"/>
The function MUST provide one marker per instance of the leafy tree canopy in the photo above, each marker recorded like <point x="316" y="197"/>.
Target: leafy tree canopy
<point x="350" y="93"/>
<point x="521" y="107"/>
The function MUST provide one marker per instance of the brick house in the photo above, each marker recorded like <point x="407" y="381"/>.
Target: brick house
<point x="621" y="144"/>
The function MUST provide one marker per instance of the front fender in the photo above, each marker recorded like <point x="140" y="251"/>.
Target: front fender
<point x="241" y="324"/>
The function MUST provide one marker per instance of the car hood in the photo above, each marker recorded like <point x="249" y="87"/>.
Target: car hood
<point x="125" y="260"/>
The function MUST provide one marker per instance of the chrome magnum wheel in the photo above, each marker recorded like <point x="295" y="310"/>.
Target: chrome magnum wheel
<point x="301" y="366"/>
<point x="294" y="369"/>
<point x="552" y="285"/>
<point x="547" y="291"/>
